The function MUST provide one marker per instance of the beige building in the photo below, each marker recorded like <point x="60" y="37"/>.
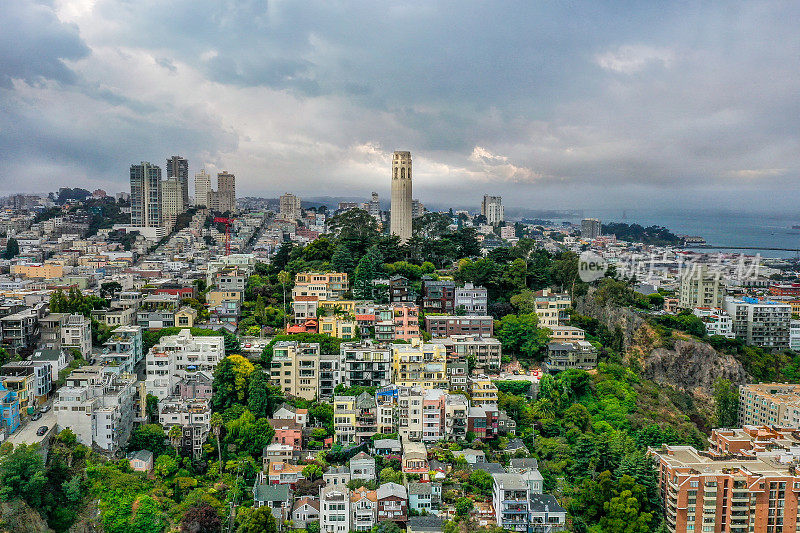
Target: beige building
<point x="401" y="209"/>
<point x="769" y="404"/>
<point x="701" y="287"/>
<point x="202" y="188"/>
<point x="323" y="285"/>
<point x="226" y="191"/>
<point x="295" y="368"/>
<point x="551" y="307"/>
<point x="171" y="202"/>
<point x="566" y="333"/>
<point x="290" y="207"/>
<point x="215" y="298"/>
<point x="418" y="364"/>
<point x="39" y="271"/>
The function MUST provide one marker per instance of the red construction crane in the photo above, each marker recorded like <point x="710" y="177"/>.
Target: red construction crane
<point x="228" y="222"/>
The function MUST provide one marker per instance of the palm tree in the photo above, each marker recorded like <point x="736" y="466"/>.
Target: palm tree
<point x="216" y="427"/>
<point x="284" y="278"/>
<point x="174" y="434"/>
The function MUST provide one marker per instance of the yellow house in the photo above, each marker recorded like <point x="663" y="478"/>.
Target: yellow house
<point x="347" y="307"/>
<point x="215" y="298"/>
<point x="338" y="327"/>
<point x="484" y="392"/>
<point x="42" y="271"/>
<point x="185" y="317"/>
<point x="420" y="364"/>
<point x="344" y="419"/>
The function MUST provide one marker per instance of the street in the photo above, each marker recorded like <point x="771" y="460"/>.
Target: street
<point x="26" y="433"/>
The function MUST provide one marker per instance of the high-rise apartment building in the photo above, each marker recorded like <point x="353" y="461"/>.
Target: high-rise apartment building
<point x="401" y="210"/>
<point x="417" y="209"/>
<point x="178" y="167"/>
<point x="703" y="492"/>
<point x="146" y="195"/>
<point x="202" y="188"/>
<point x="769" y="404"/>
<point x="171" y="201"/>
<point x="226" y="192"/>
<point x="492" y="208"/>
<point x="763" y="323"/>
<point x="290" y="207"/>
<point x="374" y="207"/>
<point x="590" y="228"/>
<point x="701" y="287"/>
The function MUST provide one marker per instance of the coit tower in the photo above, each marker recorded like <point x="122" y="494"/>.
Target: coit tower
<point x="401" y="196"/>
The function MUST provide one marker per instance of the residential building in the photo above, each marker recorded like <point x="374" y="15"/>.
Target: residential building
<point x="400" y="290"/>
<point x="9" y="411"/>
<point x="458" y="376"/>
<point x="699" y="490"/>
<point x="762" y="323"/>
<point x="415" y="458"/>
<point x="193" y="386"/>
<point x="419" y="364"/>
<point x="566" y="334"/>
<point x="483" y="391"/>
<point x="483" y="421"/>
<point x="171" y="202"/>
<point x="276" y="452"/>
<point x="365" y="365"/>
<point x="31" y="380"/>
<point x="145" y="195"/>
<point x="433" y="412"/>
<point x="178" y="356"/>
<point x="492" y="208"/>
<point x="446" y="326"/>
<point x="178" y="168"/>
<point x="401" y="214"/>
<point x="794" y="335"/>
<point x="754" y="441"/>
<point x="20" y="331"/>
<point x="57" y="359"/>
<point x="392" y="502"/>
<point x="287" y="432"/>
<point x="305" y="510"/>
<point x="471" y="300"/>
<point x="141" y="461"/>
<point x="438" y="296"/>
<point x="511" y="499"/>
<point x="546" y="515"/>
<point x="295" y="368"/>
<point x="192" y="416"/>
<point x="701" y="287"/>
<point x="363" y="509"/>
<point x="50" y="327"/>
<point x="425" y="498"/>
<point x="158" y="311"/>
<point x="280" y="473"/>
<point x="716" y="320"/>
<point x="224" y="199"/>
<point x="290" y="412"/>
<point x="565" y="355"/>
<point x="387" y="447"/>
<point x="185" y="317"/>
<point x="552" y="307"/>
<point x="276" y="497"/>
<point x="590" y="229"/>
<point x="769" y="404"/>
<point x="456" y="409"/>
<point x="76" y="333"/>
<point x="334" y="509"/>
<point x="409" y="412"/>
<point x="323" y="285"/>
<point x="290" y="207"/>
<point x="339" y="327"/>
<point x="123" y="350"/>
<point x="485" y="352"/>
<point x="97" y="406"/>
<point x="304" y="307"/>
<point x="336" y="476"/>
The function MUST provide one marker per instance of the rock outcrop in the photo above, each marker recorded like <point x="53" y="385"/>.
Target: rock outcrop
<point x="612" y="316"/>
<point x="17" y="516"/>
<point x="691" y="366"/>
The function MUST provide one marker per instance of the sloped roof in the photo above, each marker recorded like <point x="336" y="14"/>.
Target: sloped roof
<point x="271" y="493"/>
<point x="388" y="490"/>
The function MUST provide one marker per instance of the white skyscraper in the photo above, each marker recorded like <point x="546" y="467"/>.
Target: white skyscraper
<point x="401" y="219"/>
<point x="492" y="209"/>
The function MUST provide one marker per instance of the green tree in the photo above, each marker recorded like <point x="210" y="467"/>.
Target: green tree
<point x="216" y="428"/>
<point x="22" y="475"/>
<point x="524" y="302"/>
<point x="726" y="400"/>
<point x="148" y="437"/>
<point x="262" y="397"/>
<point x="623" y="515"/>
<point x="343" y="260"/>
<point x="519" y="334"/>
<point x="482" y="481"/>
<point x="230" y="382"/>
<point x="312" y="472"/>
<point x="12" y="248"/>
<point x="365" y="274"/>
<point x="260" y="520"/>
<point x="464" y="506"/>
<point x="165" y="465"/>
<point x="126" y="512"/>
<point x="249" y="434"/>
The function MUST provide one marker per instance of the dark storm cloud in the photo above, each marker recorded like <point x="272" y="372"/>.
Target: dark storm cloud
<point x="34" y="44"/>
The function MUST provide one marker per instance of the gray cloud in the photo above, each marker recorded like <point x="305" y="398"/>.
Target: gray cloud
<point x="594" y="102"/>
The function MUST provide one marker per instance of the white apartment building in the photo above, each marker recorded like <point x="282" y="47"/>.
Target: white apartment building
<point x="474" y="300"/>
<point x="334" y="509"/>
<point x="717" y="321"/>
<point x="492" y="208"/>
<point x="295" y="368"/>
<point x="77" y="333"/>
<point x="97" y="406"/>
<point x="700" y="287"/>
<point x="365" y="365"/>
<point x="179" y="356"/>
<point x="763" y="323"/>
<point x="290" y="207"/>
<point x="794" y="335"/>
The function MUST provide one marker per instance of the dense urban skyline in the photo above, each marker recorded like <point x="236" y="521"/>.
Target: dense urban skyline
<point x="601" y="104"/>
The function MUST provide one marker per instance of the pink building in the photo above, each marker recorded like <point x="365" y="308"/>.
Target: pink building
<point x="287" y="432"/>
<point x="433" y="417"/>
<point x="406" y="321"/>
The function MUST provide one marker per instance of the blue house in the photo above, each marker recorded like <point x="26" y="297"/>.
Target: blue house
<point x="9" y="410"/>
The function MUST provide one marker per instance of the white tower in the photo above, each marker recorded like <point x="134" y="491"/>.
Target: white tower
<point x="401" y="196"/>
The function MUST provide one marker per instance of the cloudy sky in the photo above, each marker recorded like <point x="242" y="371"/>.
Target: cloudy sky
<point x="551" y="104"/>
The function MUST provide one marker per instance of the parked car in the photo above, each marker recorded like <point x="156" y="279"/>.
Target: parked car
<point x="36" y="416"/>
<point x="45" y="408"/>
<point x="41" y="431"/>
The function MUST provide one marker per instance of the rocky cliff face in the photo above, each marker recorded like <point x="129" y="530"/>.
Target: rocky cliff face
<point x="692" y="366"/>
<point x="682" y="361"/>
<point x="16" y="516"/>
